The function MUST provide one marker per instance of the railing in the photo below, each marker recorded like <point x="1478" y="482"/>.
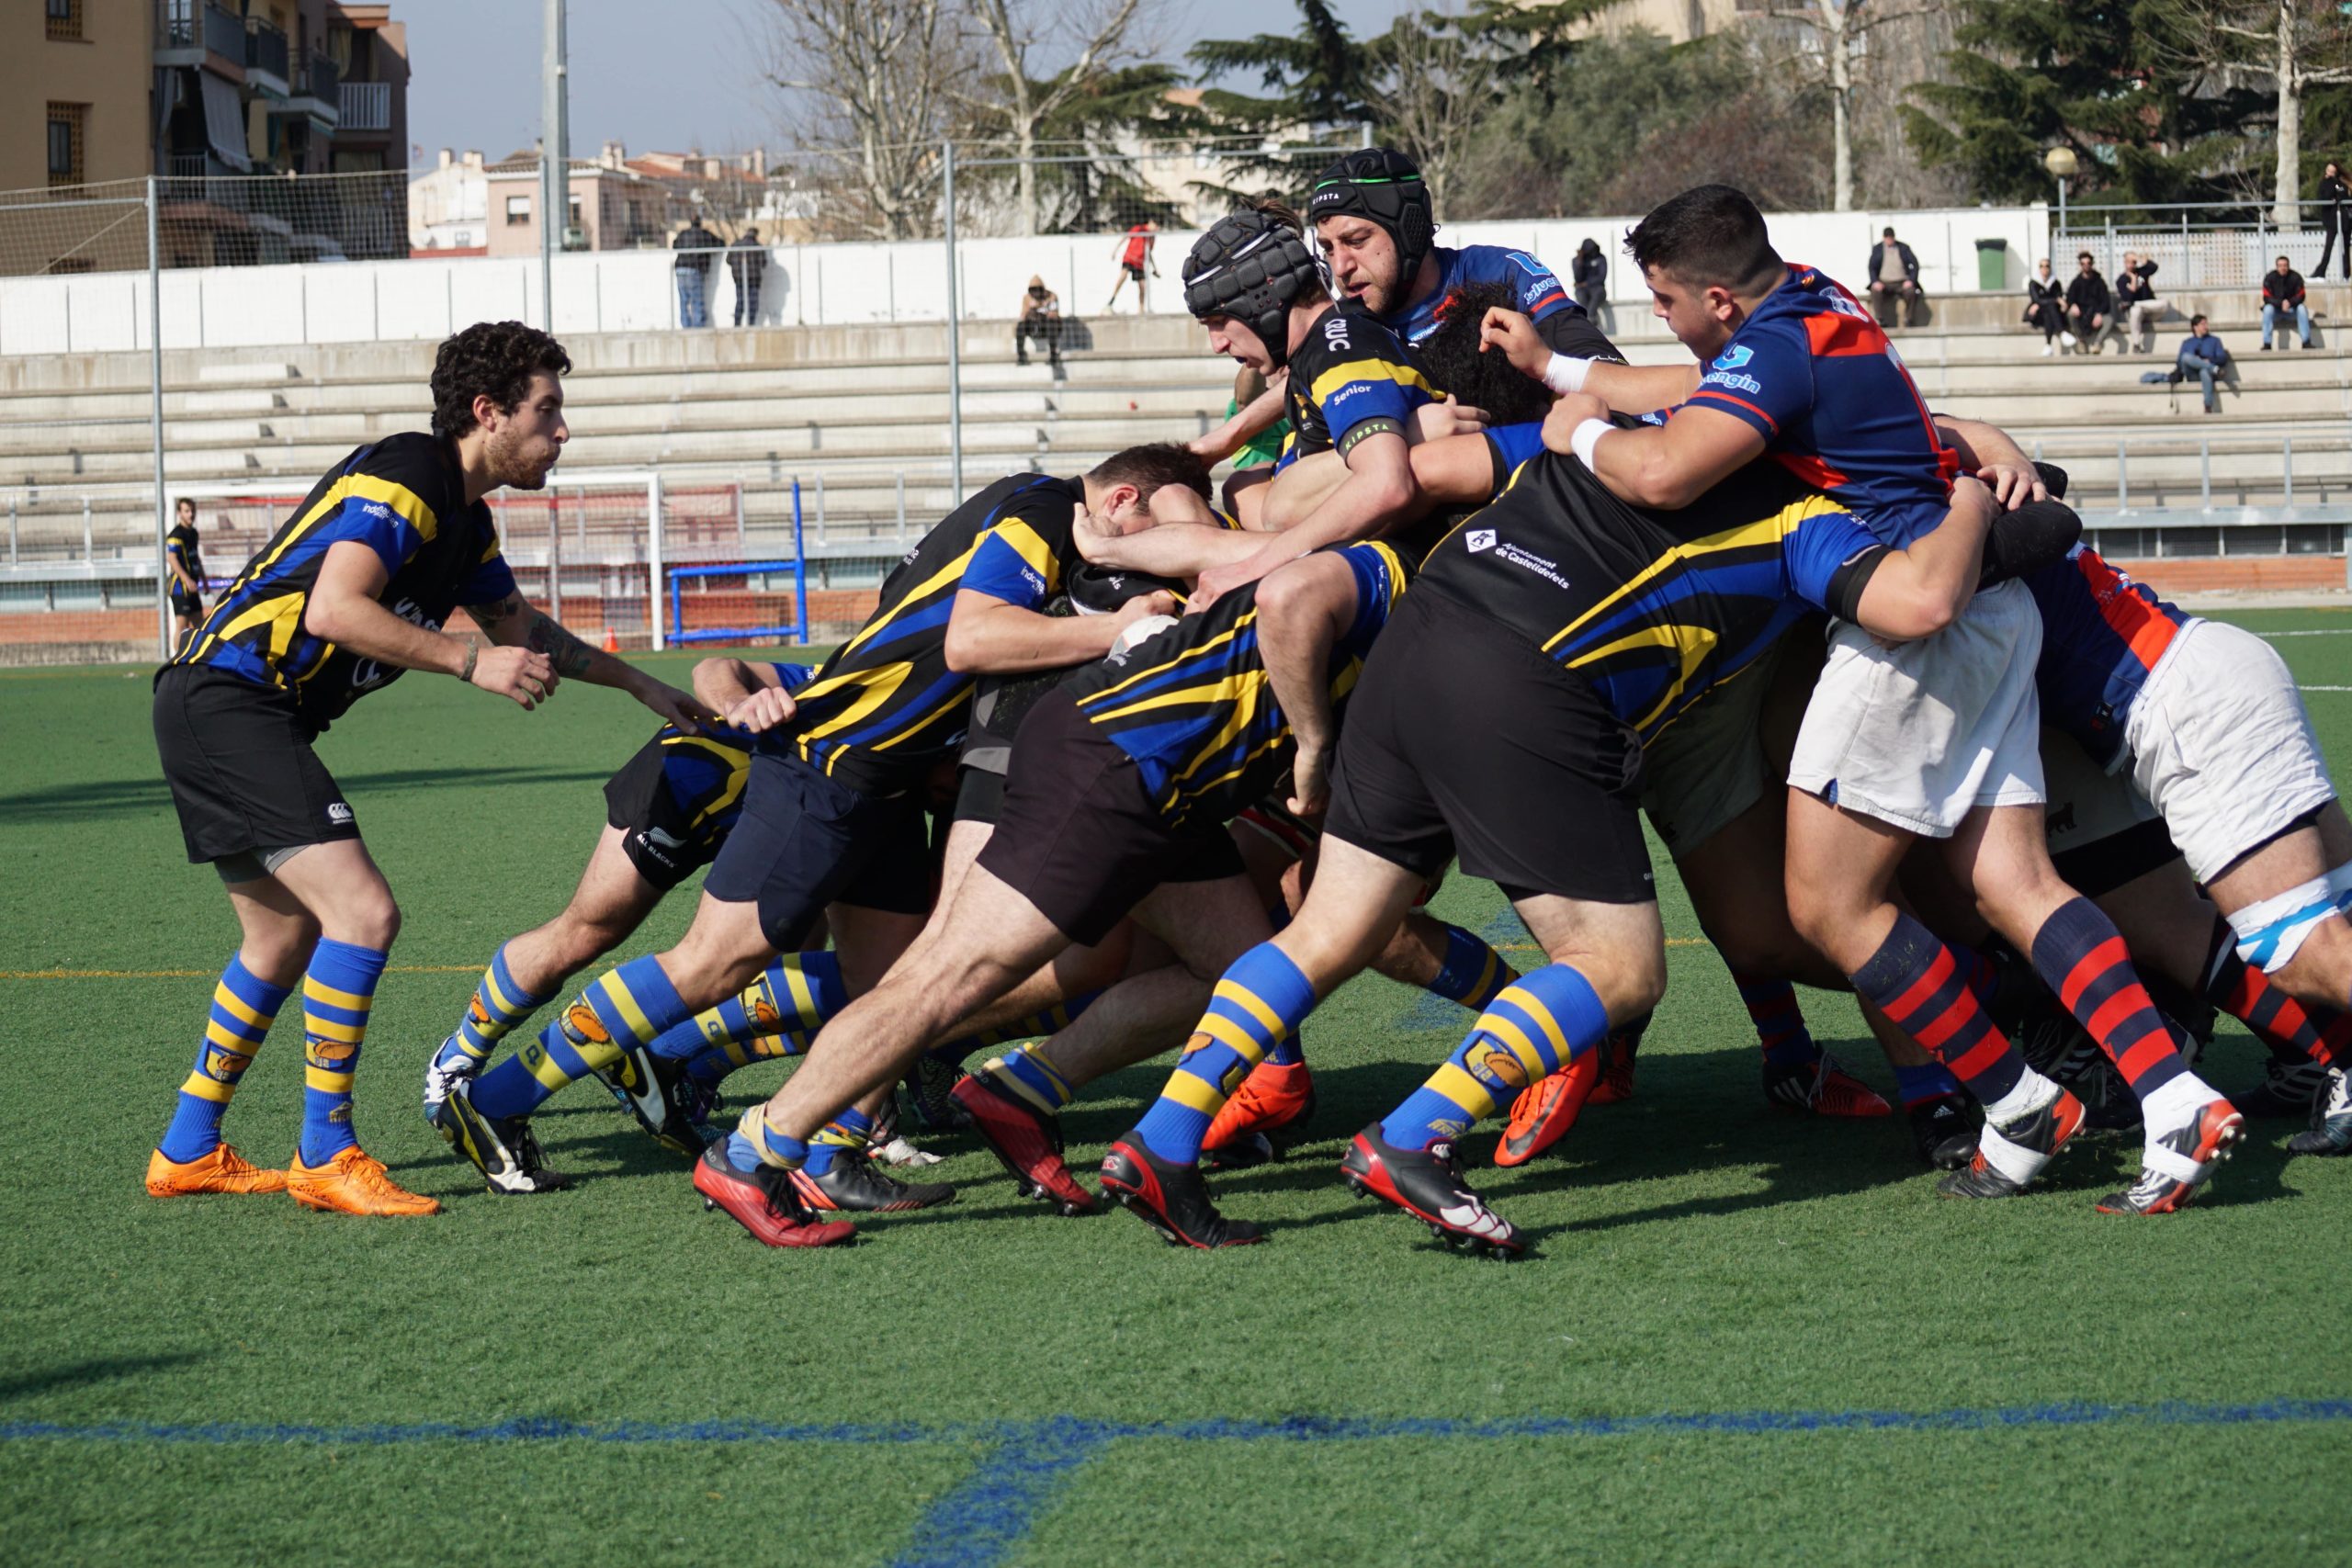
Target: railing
<point x="188" y="24"/>
<point x="265" y="49"/>
<point x="319" y="78"/>
<point x="366" y="106"/>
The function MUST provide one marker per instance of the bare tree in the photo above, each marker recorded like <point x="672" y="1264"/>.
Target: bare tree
<point x="2290" y="45"/>
<point x="1100" y="31"/>
<point x="878" y="71"/>
<point x="1836" y="35"/>
<point x="1433" y="86"/>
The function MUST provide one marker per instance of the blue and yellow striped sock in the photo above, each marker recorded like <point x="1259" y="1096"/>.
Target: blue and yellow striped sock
<point x="1262" y="998"/>
<point x="1048" y="1021"/>
<point x="753" y="1142"/>
<point x="243" y="1007"/>
<point x="1472" y="973"/>
<point x="1538" y="1022"/>
<point x="845" y="1134"/>
<point x="337" y="994"/>
<point x="710" y="1068"/>
<point x="498" y="1005"/>
<point x="1022" y="1072"/>
<point x="627" y="1007"/>
<point x="798" y="994"/>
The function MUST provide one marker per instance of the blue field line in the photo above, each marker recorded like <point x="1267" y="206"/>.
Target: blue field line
<point x="1075" y="1431"/>
<point x="1025" y="1465"/>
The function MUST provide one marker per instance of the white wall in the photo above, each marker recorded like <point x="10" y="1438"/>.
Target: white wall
<point x="427" y="297"/>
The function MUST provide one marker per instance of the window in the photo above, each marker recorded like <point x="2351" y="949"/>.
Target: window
<point x="519" y="210"/>
<point x="64" y="19"/>
<point x="66" y="144"/>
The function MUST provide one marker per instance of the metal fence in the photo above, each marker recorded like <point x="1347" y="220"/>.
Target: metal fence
<point x="2201" y="245"/>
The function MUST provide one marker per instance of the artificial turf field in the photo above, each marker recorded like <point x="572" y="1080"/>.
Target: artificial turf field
<point x="1747" y="1338"/>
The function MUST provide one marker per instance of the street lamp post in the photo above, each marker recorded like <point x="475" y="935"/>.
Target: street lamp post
<point x="2059" y="162"/>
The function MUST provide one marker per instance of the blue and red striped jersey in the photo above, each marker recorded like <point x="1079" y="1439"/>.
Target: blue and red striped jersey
<point x="2102" y="634"/>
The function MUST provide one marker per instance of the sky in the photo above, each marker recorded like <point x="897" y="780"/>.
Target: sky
<point x="665" y="74"/>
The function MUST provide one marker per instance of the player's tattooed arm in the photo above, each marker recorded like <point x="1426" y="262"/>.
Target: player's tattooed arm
<point x="515" y="622"/>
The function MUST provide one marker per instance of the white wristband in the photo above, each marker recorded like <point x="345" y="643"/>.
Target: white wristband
<point x="1585" y="437"/>
<point x="1566" y="374"/>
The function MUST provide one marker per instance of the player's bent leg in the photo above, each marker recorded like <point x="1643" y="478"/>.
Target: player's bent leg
<point x="340" y="884"/>
<point x="2078" y="953"/>
<point x="1607" y="962"/>
<point x="277" y="936"/>
<point x="1352" y="906"/>
<point x="1840" y="865"/>
<point x="612" y="899"/>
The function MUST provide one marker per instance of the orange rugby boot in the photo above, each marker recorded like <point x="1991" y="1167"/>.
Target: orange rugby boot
<point x="352" y="1182"/>
<point x="222" y="1170"/>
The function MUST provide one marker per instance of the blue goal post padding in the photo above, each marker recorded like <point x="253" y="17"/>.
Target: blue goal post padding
<point x="797" y="626"/>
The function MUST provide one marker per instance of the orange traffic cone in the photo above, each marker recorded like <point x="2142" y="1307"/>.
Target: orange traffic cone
<point x="612" y="643"/>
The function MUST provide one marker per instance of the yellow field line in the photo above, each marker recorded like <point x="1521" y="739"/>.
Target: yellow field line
<point x="205" y="973"/>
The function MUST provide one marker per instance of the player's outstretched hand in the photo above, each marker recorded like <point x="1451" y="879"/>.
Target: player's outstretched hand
<point x="1515" y="334"/>
<point x="762" y="710"/>
<point x="682" y="709"/>
<point x="1222" y="579"/>
<point x="1435" y="422"/>
<point x="517" y="672"/>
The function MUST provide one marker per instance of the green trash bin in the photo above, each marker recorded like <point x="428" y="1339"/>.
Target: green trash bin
<point x="1993" y="265"/>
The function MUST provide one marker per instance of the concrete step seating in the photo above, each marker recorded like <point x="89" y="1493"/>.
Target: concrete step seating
<point x="863" y="405"/>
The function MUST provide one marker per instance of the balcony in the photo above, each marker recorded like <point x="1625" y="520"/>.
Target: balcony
<point x="266" y="58"/>
<point x="201" y="32"/>
<point x="366" y="106"/>
<point x="316" y="93"/>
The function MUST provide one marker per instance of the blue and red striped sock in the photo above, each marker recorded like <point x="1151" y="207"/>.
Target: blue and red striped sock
<point x="1780" y="1022"/>
<point x="1919" y="982"/>
<point x="2080" y="954"/>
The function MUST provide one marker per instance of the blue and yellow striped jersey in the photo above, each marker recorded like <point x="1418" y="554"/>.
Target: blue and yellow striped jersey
<point x="885" y="709"/>
<point x="402" y="497"/>
<point x="1652" y="607"/>
<point x="1193" y="705"/>
<point x="184" y="546"/>
<point x="1350" y="376"/>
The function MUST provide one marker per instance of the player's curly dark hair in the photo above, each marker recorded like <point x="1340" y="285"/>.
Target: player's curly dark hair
<point x="495" y="359"/>
<point x="1488" y="380"/>
<point x="1152" y="465"/>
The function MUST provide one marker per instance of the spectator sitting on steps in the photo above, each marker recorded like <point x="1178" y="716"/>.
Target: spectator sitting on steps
<point x="1041" y="318"/>
<point x="2045" y="307"/>
<point x="1894" y="281"/>
<point x="2202" y="355"/>
<point x="2088" y="304"/>
<point x="2282" y="295"/>
<point x="2136" y="302"/>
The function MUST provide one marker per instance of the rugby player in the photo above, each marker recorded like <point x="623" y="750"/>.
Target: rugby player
<point x="1351" y="388"/>
<point x="348" y="594"/>
<point x="1502" y="719"/>
<point x="833" y="809"/>
<point x="1120" y="785"/>
<point x="1934" y="739"/>
<point x="183" y="555"/>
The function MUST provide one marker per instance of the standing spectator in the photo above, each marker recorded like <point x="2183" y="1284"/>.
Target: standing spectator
<point x="184" y="554"/>
<point x="2135" y="299"/>
<point x="2282" y="295"/>
<point x="2332" y="219"/>
<point x="1589" y="274"/>
<point x="695" y="245"/>
<point x="2088" y="304"/>
<point x="746" y="260"/>
<point x="1041" y="318"/>
<point x="1134" y="255"/>
<point x="2202" y="355"/>
<point x="1894" y="280"/>
<point x="2045" y="307"/>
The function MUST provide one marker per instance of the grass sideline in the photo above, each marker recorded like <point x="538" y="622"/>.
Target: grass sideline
<point x="1857" y="1371"/>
